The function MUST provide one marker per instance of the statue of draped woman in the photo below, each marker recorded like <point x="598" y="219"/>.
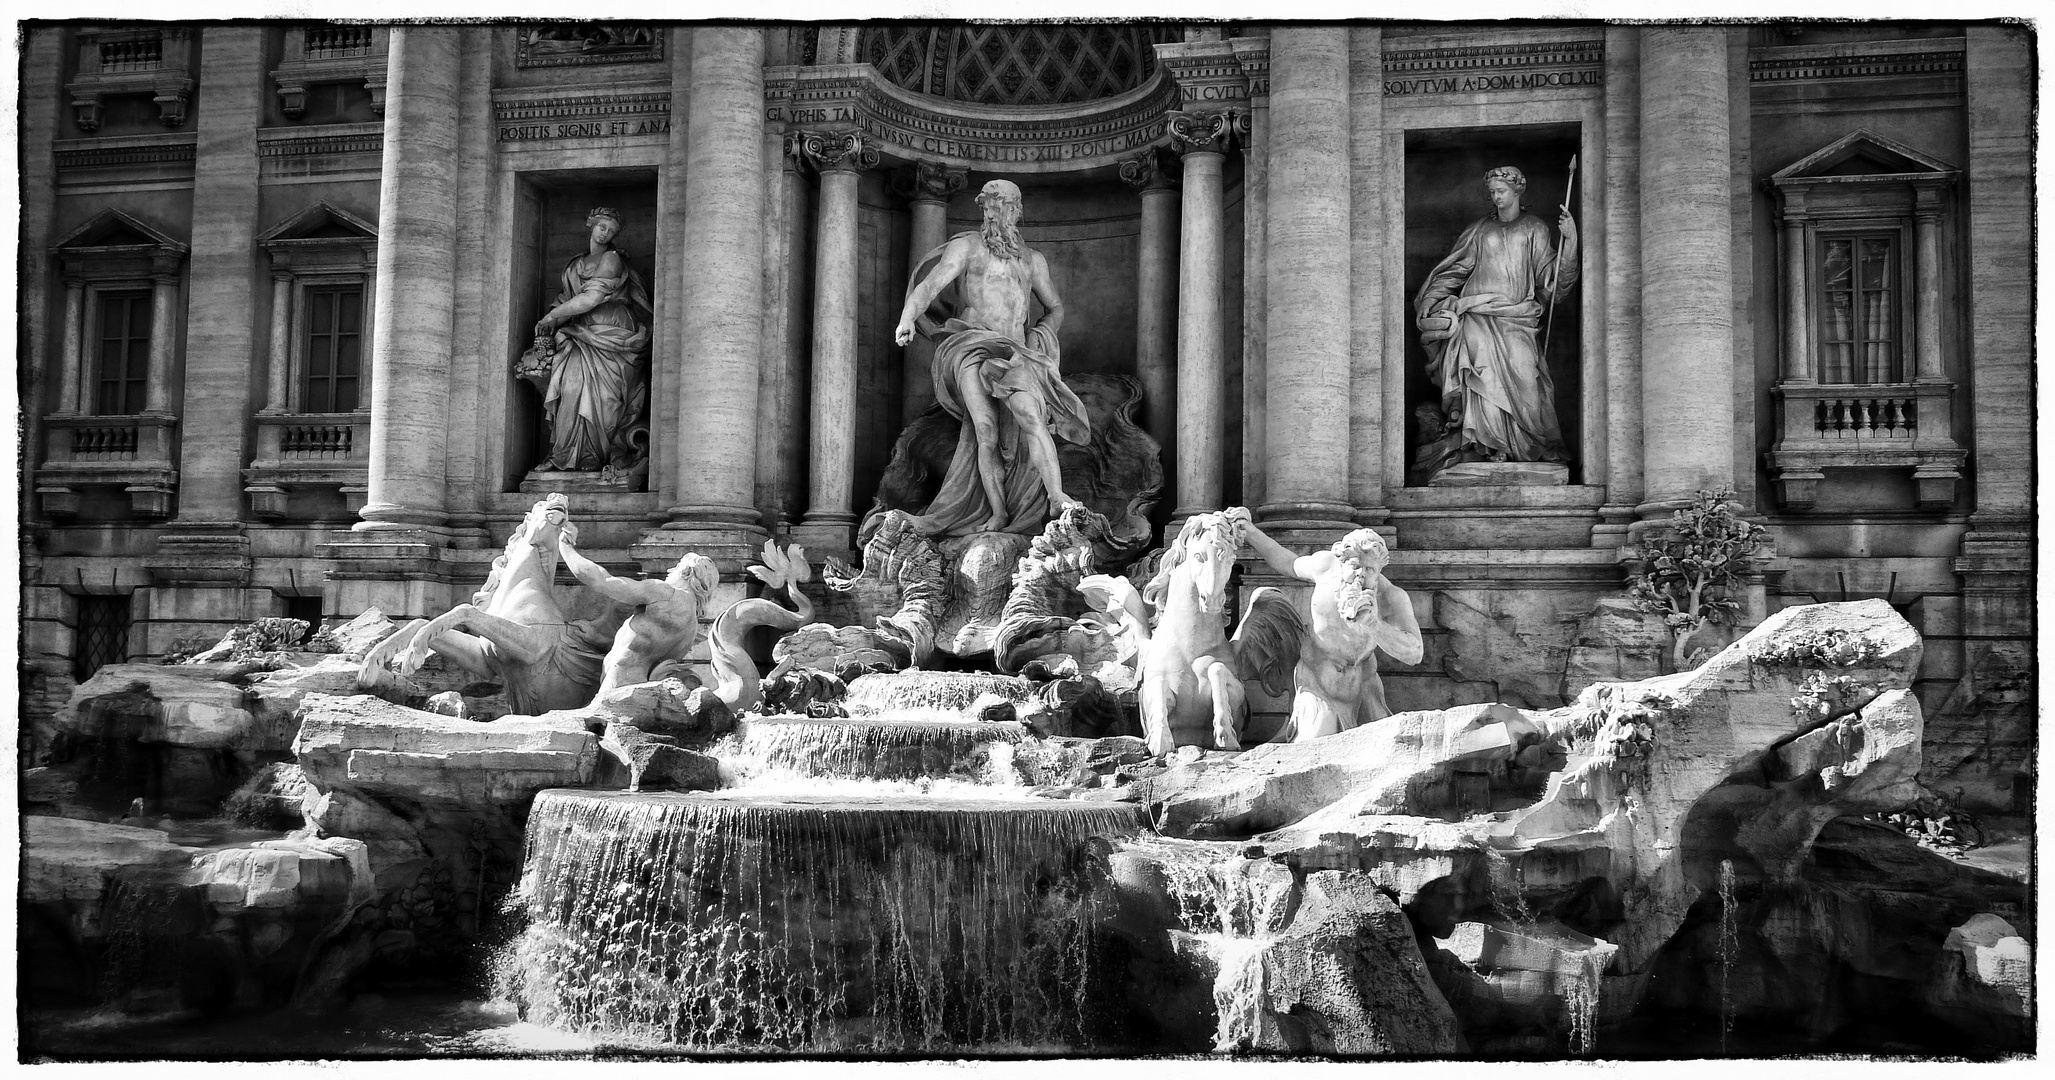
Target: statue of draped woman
<point x="587" y="359"/>
<point x="1480" y="315"/>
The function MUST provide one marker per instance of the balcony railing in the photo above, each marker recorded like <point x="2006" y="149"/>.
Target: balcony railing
<point x="143" y="55"/>
<point x="317" y="441"/>
<point x="337" y="42"/>
<point x="105" y="443"/>
<point x="1893" y="416"/>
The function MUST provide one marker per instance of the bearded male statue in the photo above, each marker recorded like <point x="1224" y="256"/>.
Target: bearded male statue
<point x="997" y="375"/>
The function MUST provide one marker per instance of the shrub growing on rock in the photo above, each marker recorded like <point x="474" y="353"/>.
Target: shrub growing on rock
<point x="1692" y="571"/>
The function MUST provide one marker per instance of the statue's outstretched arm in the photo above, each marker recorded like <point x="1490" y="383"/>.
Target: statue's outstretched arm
<point x="924" y="292"/>
<point x="1270" y="551"/>
<point x="1398" y="634"/>
<point x="613" y="588"/>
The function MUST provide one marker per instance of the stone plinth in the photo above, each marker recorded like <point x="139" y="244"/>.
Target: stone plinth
<point x="1502" y="473"/>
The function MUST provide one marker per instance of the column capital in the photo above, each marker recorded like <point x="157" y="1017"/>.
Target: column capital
<point x="1148" y="171"/>
<point x="929" y="181"/>
<point x="838" y="151"/>
<point x="1210" y="131"/>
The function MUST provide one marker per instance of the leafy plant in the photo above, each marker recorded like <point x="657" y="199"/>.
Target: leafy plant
<point x="1692" y="571"/>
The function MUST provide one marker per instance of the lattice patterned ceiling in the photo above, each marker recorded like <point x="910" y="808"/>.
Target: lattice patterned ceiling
<point x="1015" y="65"/>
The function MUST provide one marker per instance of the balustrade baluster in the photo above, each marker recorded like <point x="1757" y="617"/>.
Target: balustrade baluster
<point x="1863" y="424"/>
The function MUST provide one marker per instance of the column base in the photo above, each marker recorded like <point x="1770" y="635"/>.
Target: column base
<point x="825" y="536"/>
<point x="732" y="546"/>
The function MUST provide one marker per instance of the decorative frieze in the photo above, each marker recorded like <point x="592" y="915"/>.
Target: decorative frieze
<point x="1497" y="67"/>
<point x="855" y="97"/>
<point x="130" y="152"/>
<point x="567" y="43"/>
<point x="328" y="141"/>
<point x="1857" y="60"/>
<point x="621" y="111"/>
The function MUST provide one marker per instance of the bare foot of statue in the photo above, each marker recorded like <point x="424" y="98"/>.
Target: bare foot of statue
<point x="996" y="522"/>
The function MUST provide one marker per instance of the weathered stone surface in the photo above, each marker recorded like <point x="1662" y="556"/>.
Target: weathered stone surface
<point x="835" y="648"/>
<point x="273" y="798"/>
<point x="1346" y="978"/>
<point x="675" y="708"/>
<point x="356" y="637"/>
<point x="375" y="747"/>
<point x="68" y="860"/>
<point x="1617" y="642"/>
<point x="282" y="873"/>
<point x="1408" y="763"/>
<point x="992" y="709"/>
<point x="1543" y="971"/>
<point x="1983" y="981"/>
<point x="654" y="762"/>
<point x="181" y="705"/>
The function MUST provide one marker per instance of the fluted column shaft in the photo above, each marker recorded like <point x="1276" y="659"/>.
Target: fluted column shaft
<point x="281" y="342"/>
<point x="1202" y="392"/>
<point x="1156" y="313"/>
<point x="721" y="287"/>
<point x="831" y="476"/>
<point x="72" y="359"/>
<point x="411" y="332"/>
<point x="1687" y="312"/>
<point x="1307" y="439"/>
<point x="1797" y="342"/>
<point x="1928" y="339"/>
<point x="163" y="341"/>
<point x="930" y="230"/>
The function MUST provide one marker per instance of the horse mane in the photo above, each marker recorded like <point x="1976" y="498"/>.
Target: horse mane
<point x="1174" y="555"/>
<point x="522" y="532"/>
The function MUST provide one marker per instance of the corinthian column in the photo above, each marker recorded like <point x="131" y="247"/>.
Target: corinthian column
<point x="1687" y="290"/>
<point x="721" y="291"/>
<point x="1156" y="299"/>
<point x="831" y="477"/>
<point x="1307" y="439"/>
<point x="1202" y="254"/>
<point x="417" y="258"/>
<point x="928" y="189"/>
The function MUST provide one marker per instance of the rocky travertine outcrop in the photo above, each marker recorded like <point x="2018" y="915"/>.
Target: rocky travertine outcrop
<point x="372" y="746"/>
<point x="1585" y="835"/>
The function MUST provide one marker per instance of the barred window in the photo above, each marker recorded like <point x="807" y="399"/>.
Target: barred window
<point x="102" y="634"/>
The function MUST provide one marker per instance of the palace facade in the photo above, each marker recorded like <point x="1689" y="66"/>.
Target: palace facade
<point x="276" y="278"/>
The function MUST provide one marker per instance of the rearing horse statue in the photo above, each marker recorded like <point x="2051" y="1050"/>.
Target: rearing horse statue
<point x="512" y="631"/>
<point x="1191" y="672"/>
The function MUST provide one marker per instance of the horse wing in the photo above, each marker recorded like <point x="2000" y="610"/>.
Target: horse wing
<point x="1116" y="596"/>
<point x="1266" y="644"/>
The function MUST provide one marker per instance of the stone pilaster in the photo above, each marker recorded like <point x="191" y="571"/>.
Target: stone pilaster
<point x="1367" y="247"/>
<point x="1156" y="297"/>
<point x="1205" y="137"/>
<point x="71" y="359"/>
<point x="928" y="187"/>
<point x="411" y="322"/>
<point x="1996" y="562"/>
<point x="830" y="523"/>
<point x="1687" y="286"/>
<point x="1307" y="443"/>
<point x="1253" y="56"/>
<point x="204" y="546"/>
<point x="42" y="97"/>
<point x="163" y="340"/>
<point x="1622" y="388"/>
<point x="721" y="290"/>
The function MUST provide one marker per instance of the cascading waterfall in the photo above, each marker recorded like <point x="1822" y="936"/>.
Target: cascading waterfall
<point x="1234" y="906"/>
<point x="1508" y="890"/>
<point x="750" y="923"/>
<point x="1729" y="943"/>
<point x="881" y="749"/>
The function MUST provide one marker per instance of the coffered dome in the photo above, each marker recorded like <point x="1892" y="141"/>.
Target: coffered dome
<point x="1047" y="64"/>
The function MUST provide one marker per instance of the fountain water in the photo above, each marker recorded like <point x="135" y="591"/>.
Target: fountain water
<point x="1232" y="907"/>
<point x="896" y="748"/>
<point x="1728" y="946"/>
<point x="747" y="922"/>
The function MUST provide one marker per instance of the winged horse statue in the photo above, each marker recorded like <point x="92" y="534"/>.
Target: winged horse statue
<point x="512" y="631"/>
<point x="1191" y="671"/>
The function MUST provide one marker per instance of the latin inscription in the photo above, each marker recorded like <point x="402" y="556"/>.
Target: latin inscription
<point x="1475" y="84"/>
<point x="585" y="130"/>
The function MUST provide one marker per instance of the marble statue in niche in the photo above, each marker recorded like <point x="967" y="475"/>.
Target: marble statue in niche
<point x="589" y="361"/>
<point x="996" y="374"/>
<point x="1481" y="314"/>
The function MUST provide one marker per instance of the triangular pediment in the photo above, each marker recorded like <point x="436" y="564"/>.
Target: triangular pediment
<point x="112" y="228"/>
<point x="1862" y="153"/>
<point x="321" y="221"/>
